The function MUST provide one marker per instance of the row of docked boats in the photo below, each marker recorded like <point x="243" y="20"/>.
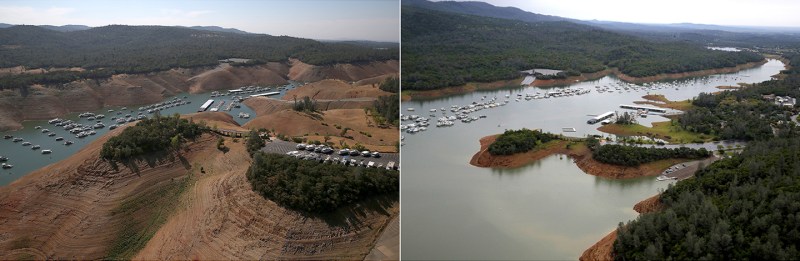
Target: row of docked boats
<point x="153" y="108"/>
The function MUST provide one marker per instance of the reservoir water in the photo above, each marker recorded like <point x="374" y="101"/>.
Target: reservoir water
<point x="26" y="160"/>
<point x="549" y="209"/>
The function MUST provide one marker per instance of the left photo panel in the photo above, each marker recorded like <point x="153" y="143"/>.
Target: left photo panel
<point x="204" y="130"/>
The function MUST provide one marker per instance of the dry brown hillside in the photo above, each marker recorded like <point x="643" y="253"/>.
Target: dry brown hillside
<point x="300" y="71"/>
<point x="46" y="102"/>
<point x="330" y="123"/>
<point x="335" y="90"/>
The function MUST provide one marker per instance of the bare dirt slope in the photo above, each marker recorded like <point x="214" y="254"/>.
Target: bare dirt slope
<point x="224" y="219"/>
<point x="83" y="208"/>
<point x="67" y="210"/>
<point x="334" y="90"/>
<point x="304" y="72"/>
<point x="230" y="77"/>
<point x="364" y="131"/>
<point x="219" y="119"/>
<point x="265" y="105"/>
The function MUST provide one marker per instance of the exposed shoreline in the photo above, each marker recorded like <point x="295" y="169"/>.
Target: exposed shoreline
<point x="604" y="248"/>
<point x="578" y="152"/>
<point x="470" y="87"/>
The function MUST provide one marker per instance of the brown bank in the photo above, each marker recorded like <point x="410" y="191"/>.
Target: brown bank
<point x="604" y="249"/>
<point x="577" y="151"/>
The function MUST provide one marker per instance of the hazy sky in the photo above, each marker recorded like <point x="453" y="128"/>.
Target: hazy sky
<point x="321" y="19"/>
<point x="784" y="13"/>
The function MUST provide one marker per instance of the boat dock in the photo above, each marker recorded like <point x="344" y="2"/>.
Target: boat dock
<point x="205" y="105"/>
<point x="600" y="117"/>
<point x="645" y="108"/>
<point x="265" y="94"/>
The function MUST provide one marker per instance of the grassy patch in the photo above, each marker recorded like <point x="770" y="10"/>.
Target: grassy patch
<point x="659" y="100"/>
<point x="143" y="215"/>
<point x="662" y="130"/>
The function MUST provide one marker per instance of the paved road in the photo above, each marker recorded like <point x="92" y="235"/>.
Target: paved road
<point x="388" y="245"/>
<point x="282" y="147"/>
<point x="687" y="169"/>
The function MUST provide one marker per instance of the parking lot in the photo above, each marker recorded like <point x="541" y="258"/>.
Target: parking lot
<point x="284" y="147"/>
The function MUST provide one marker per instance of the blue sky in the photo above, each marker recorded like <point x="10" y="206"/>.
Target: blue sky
<point x="777" y="13"/>
<point x="376" y="20"/>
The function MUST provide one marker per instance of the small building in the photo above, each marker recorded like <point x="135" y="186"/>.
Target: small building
<point x="785" y="101"/>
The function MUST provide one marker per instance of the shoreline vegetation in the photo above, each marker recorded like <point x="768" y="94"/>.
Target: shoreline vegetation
<point x="666" y="130"/>
<point x="756" y="178"/>
<point x="576" y="150"/>
<point x="408" y="95"/>
<point x="603" y="249"/>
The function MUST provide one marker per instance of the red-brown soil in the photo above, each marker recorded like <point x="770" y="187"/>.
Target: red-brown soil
<point x="578" y="152"/>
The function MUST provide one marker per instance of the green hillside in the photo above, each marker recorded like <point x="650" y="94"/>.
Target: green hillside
<point x="140" y="49"/>
<point x="446" y="49"/>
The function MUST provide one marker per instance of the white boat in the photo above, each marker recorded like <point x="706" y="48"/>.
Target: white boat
<point x="663" y="178"/>
<point x="7" y="166"/>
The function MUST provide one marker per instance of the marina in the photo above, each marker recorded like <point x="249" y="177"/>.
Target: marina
<point x="453" y="210"/>
<point x="69" y="133"/>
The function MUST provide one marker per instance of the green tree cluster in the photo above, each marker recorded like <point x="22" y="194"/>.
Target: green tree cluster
<point x="390" y="85"/>
<point x="388" y="108"/>
<point x="517" y="141"/>
<point x="739" y="208"/>
<point x="634" y="155"/>
<point x="254" y="142"/>
<point x="314" y="187"/>
<point x="306" y="104"/>
<point x="150" y="135"/>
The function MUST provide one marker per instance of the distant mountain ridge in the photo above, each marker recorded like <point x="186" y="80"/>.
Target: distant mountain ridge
<point x="78" y="27"/>
<point x="741" y="36"/>
<point x="484" y="9"/>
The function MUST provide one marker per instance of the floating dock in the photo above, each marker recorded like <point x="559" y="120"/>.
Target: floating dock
<point x="600" y="117"/>
<point x="205" y="106"/>
<point x="265" y="94"/>
<point x="637" y="107"/>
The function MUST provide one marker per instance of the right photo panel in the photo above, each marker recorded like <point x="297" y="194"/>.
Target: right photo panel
<point x="626" y="130"/>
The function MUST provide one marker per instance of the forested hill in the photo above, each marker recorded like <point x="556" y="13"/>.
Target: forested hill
<point x="152" y="48"/>
<point x="443" y="49"/>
